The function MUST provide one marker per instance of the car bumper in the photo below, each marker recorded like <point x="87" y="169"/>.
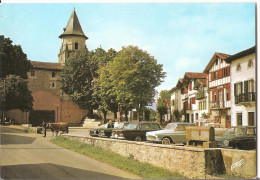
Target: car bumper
<point x="153" y="139"/>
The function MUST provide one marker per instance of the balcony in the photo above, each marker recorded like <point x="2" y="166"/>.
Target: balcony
<point x="217" y="105"/>
<point x="199" y="95"/>
<point x="245" y="98"/>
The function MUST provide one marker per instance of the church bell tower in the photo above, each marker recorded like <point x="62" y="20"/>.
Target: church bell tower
<point x="72" y="39"/>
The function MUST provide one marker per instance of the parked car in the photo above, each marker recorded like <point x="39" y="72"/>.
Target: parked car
<point x="135" y="131"/>
<point x="219" y="130"/>
<point x="108" y="131"/>
<point x="238" y="137"/>
<point x="95" y="132"/>
<point x="173" y="133"/>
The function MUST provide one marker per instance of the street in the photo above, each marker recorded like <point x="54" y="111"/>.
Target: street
<point x="31" y="156"/>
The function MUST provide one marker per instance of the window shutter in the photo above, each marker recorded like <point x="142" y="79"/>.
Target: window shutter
<point x="190" y="85"/>
<point x="211" y="78"/>
<point x="213" y="100"/>
<point x="245" y="87"/>
<point x="228" y="71"/>
<point x="235" y="89"/>
<point x="241" y="87"/>
<point x="229" y="95"/>
<point x="220" y="74"/>
<point x="217" y="96"/>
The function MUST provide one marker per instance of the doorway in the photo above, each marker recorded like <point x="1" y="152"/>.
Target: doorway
<point x="37" y="116"/>
<point x="239" y="119"/>
<point x="251" y="118"/>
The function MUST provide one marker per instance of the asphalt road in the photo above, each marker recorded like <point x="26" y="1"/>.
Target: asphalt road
<point x="31" y="156"/>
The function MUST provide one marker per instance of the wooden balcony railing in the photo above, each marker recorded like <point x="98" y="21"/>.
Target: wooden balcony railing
<point x="199" y="95"/>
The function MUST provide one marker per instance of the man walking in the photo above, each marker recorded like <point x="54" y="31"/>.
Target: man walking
<point x="44" y="128"/>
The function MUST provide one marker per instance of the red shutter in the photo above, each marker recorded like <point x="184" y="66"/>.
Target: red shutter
<point x="228" y="71"/>
<point x="212" y="96"/>
<point x="211" y="76"/>
<point x="217" y="96"/>
<point x="194" y="100"/>
<point x="220" y="73"/>
<point x="190" y="85"/>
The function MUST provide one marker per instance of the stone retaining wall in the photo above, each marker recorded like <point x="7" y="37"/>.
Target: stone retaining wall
<point x="192" y="162"/>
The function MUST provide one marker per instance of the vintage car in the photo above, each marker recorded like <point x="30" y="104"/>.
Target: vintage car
<point x="173" y="133"/>
<point x="238" y="137"/>
<point x="95" y="132"/>
<point x="108" y="131"/>
<point x="135" y="131"/>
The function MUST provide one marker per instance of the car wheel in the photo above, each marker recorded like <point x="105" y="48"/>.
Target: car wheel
<point x="236" y="146"/>
<point x="166" y="141"/>
<point x="138" y="138"/>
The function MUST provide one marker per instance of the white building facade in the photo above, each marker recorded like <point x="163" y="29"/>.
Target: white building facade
<point x="243" y="87"/>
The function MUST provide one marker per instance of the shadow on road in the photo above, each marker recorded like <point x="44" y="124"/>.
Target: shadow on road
<point x="6" y="129"/>
<point x="15" y="139"/>
<point x="50" y="171"/>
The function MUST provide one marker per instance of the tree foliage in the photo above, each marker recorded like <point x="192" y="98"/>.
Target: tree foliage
<point x="162" y="107"/>
<point x="134" y="74"/>
<point x="103" y="86"/>
<point x="14" y="65"/>
<point x="77" y="78"/>
<point x="15" y="94"/>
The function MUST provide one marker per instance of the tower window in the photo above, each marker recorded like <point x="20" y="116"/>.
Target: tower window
<point x="53" y="74"/>
<point x="32" y="73"/>
<point x="238" y="67"/>
<point x="76" y="45"/>
<point x="53" y="84"/>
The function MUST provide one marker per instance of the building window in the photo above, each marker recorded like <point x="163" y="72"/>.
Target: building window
<point x="250" y="63"/>
<point x="215" y="96"/>
<point x="251" y="85"/>
<point x="76" y="45"/>
<point x="217" y="62"/>
<point x="215" y="75"/>
<point x="32" y="73"/>
<point x="204" y="105"/>
<point x="53" y="74"/>
<point x="53" y="84"/>
<point x="238" y="88"/>
<point x="238" y="67"/>
<point x="227" y="95"/>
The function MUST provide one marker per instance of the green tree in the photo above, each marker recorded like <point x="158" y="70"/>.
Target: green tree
<point x="103" y="86"/>
<point x="77" y="79"/>
<point x="135" y="74"/>
<point x="162" y="103"/>
<point x="14" y="65"/>
<point x="15" y="94"/>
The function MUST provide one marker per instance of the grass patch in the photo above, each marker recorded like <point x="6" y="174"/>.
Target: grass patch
<point x="129" y="164"/>
<point x="229" y="176"/>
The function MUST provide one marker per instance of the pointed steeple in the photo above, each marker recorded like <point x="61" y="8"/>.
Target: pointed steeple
<point x="73" y="27"/>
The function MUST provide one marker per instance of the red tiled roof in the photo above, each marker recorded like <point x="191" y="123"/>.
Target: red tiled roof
<point x="203" y="81"/>
<point x="46" y="65"/>
<point x="195" y="75"/>
<point x="213" y="59"/>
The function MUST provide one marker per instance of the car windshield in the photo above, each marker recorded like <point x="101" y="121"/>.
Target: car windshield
<point x="132" y="126"/>
<point x="170" y="126"/>
<point x="122" y="125"/>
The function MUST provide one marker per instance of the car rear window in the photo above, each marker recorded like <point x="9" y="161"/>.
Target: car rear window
<point x="155" y="126"/>
<point x="250" y="131"/>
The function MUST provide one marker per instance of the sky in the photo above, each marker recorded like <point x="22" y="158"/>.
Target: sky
<point x="181" y="36"/>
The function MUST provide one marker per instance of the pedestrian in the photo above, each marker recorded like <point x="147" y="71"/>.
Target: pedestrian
<point x="44" y="128"/>
<point x="110" y="124"/>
